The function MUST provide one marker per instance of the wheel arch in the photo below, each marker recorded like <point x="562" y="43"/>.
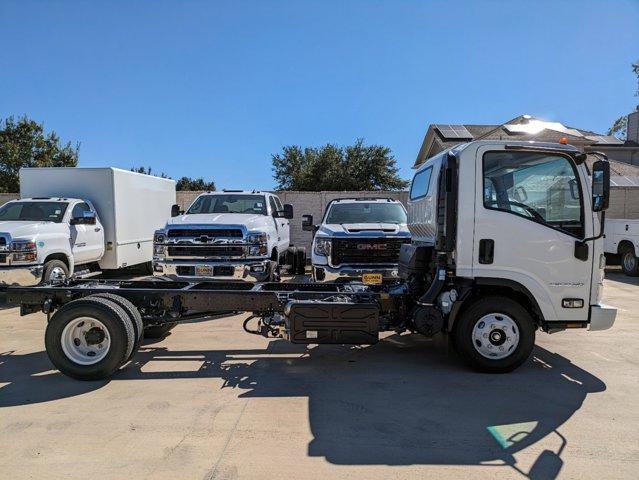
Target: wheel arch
<point x="63" y="257"/>
<point x="482" y="287"/>
<point x="623" y="244"/>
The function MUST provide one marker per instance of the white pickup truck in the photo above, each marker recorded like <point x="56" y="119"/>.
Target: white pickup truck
<point x="622" y="238"/>
<point x="228" y="235"/>
<point x="74" y="221"/>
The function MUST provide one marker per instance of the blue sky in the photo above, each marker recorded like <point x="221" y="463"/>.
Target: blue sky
<point x="213" y="88"/>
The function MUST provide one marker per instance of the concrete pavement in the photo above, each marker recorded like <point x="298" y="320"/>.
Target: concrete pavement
<point x="210" y="401"/>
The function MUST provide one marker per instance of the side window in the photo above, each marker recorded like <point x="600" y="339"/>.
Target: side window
<point x="541" y="187"/>
<point x="271" y="202"/>
<point x="278" y="204"/>
<point x="421" y="181"/>
<point x="79" y="209"/>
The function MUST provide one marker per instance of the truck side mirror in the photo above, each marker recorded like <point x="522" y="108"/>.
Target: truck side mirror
<point x="600" y="185"/>
<point x="288" y="211"/>
<point x="175" y="210"/>
<point x="307" y="223"/>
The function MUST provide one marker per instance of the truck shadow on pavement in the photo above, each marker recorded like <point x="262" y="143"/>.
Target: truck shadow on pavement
<point x="399" y="402"/>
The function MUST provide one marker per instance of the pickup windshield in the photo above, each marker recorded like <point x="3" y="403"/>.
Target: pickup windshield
<point x="249" y="204"/>
<point x="33" y="212"/>
<point x="362" y="212"/>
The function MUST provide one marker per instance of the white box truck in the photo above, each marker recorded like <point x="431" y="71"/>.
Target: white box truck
<point x="80" y="220"/>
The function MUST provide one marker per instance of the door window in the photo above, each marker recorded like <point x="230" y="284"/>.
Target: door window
<point x="274" y="208"/>
<point x="540" y="187"/>
<point x="421" y="181"/>
<point x="79" y="209"/>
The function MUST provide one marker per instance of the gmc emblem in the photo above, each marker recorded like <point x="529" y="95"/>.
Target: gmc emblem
<point x="368" y="246"/>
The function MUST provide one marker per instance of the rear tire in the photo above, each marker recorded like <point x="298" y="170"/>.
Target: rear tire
<point x="159" y="331"/>
<point x="89" y="338"/>
<point x="300" y="261"/>
<point x="134" y="316"/>
<point x="629" y="261"/>
<point x="55" y="270"/>
<point x="290" y="260"/>
<point x="494" y="334"/>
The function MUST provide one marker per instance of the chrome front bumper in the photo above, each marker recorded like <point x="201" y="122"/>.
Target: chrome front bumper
<point x="25" y="276"/>
<point x="248" y="271"/>
<point x="324" y="273"/>
<point x="602" y="317"/>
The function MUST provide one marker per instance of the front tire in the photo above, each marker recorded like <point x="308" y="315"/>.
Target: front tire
<point x="89" y="338"/>
<point x="494" y="334"/>
<point x="629" y="261"/>
<point x="55" y="271"/>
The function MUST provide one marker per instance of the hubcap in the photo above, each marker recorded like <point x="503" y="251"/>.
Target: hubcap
<point x="85" y="340"/>
<point x="57" y="274"/>
<point x="629" y="261"/>
<point x="495" y="336"/>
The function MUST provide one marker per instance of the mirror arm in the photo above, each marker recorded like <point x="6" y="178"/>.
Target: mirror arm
<point x="601" y="228"/>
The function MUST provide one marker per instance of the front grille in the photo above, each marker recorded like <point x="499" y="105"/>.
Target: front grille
<point x="205" y="251"/>
<point x="366" y="250"/>
<point x="209" y="232"/>
<point x="3" y="242"/>
<point x="219" y="271"/>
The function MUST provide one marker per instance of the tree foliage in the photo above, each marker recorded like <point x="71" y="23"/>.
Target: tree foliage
<point x="331" y="167"/>
<point x="620" y="128"/>
<point x="24" y="143"/>
<point x="184" y="183"/>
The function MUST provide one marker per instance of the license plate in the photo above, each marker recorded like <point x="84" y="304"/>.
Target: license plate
<point x="372" y="278"/>
<point x="203" y="270"/>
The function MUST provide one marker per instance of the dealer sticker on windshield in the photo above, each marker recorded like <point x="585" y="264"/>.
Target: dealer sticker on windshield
<point x="372" y="278"/>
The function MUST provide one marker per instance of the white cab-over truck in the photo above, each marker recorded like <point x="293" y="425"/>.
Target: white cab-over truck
<point x="507" y="241"/>
<point x="228" y="235"/>
<point x="622" y="239"/>
<point x="80" y="220"/>
<point x="358" y="239"/>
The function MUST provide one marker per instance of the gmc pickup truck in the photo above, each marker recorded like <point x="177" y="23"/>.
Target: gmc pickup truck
<point x="228" y="235"/>
<point x="358" y="239"/>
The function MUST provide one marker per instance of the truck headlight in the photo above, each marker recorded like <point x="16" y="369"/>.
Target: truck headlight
<point x="158" y="250"/>
<point x="24" y="251"/>
<point x="257" y="237"/>
<point x="323" y="246"/>
<point x="159" y="237"/>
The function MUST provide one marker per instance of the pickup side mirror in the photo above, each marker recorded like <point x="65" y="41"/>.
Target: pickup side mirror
<point x="600" y="185"/>
<point x="87" y="218"/>
<point x="175" y="210"/>
<point x="307" y="223"/>
<point x="287" y="212"/>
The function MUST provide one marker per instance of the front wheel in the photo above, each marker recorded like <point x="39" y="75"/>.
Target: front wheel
<point x="494" y="334"/>
<point x="55" y="271"/>
<point x="629" y="262"/>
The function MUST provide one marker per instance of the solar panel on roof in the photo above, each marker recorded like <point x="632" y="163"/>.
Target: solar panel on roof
<point x="453" y="131"/>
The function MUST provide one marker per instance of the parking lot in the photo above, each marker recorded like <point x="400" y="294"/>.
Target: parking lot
<point x="210" y="401"/>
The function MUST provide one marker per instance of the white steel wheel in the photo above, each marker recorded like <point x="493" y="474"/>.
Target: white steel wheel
<point x="57" y="273"/>
<point x="85" y="340"/>
<point x="495" y="336"/>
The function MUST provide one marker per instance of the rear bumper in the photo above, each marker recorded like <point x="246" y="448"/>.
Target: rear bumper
<point x="25" y="276"/>
<point x="248" y="271"/>
<point x="324" y="273"/>
<point x="602" y="317"/>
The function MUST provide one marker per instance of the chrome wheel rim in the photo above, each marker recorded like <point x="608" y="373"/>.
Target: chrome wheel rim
<point x="495" y="336"/>
<point x="57" y="273"/>
<point x="629" y="261"/>
<point x="85" y="340"/>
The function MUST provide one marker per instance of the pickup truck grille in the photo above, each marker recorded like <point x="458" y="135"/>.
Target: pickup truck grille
<point x="364" y="251"/>
<point x="205" y="251"/>
<point x="209" y="232"/>
<point x="3" y="242"/>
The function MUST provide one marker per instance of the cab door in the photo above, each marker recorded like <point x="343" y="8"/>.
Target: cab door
<point x="87" y="241"/>
<point x="284" y="226"/>
<point x="529" y="213"/>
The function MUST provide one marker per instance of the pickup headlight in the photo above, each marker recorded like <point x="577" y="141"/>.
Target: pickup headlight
<point x="24" y="251"/>
<point x="258" y="243"/>
<point x="323" y="246"/>
<point x="159" y="237"/>
<point x="257" y="237"/>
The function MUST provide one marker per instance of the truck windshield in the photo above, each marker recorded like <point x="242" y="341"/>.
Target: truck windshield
<point x="33" y="212"/>
<point x="249" y="204"/>
<point x="362" y="212"/>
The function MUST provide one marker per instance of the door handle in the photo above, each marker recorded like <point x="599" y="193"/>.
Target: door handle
<point x="97" y="229"/>
<point x="486" y="251"/>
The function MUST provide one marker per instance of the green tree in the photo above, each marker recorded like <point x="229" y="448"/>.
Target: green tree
<point x="194" y="184"/>
<point x="24" y="143"/>
<point x="148" y="171"/>
<point x="620" y="126"/>
<point x="330" y="167"/>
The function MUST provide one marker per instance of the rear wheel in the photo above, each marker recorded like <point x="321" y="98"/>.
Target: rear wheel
<point x="290" y="259"/>
<point x="494" y="334"/>
<point x="159" y="331"/>
<point x="629" y="261"/>
<point x="55" y="271"/>
<point x="134" y="316"/>
<point x="89" y="338"/>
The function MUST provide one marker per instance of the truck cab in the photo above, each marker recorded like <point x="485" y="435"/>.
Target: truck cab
<point x="47" y="238"/>
<point x="227" y="235"/>
<point x="358" y="239"/>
